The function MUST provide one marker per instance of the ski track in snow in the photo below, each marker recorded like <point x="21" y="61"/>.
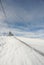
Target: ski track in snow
<point x="13" y="52"/>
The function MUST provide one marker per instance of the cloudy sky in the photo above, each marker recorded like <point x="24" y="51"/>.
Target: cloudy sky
<point x="24" y="18"/>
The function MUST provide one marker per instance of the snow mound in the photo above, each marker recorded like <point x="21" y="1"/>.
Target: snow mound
<point x="13" y="52"/>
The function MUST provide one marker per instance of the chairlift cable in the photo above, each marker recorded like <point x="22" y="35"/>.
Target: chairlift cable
<point x="3" y="9"/>
<point x="4" y="12"/>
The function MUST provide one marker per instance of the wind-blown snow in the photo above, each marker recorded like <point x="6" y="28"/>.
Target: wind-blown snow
<point x="13" y="52"/>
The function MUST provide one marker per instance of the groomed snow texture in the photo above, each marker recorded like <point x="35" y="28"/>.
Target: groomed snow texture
<point x="13" y="52"/>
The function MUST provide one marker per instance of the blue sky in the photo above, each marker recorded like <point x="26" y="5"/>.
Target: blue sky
<point x="24" y="17"/>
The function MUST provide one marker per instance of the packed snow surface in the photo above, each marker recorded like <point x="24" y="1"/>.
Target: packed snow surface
<point x="14" y="52"/>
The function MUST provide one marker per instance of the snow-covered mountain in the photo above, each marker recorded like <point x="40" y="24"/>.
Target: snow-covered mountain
<point x="14" y="52"/>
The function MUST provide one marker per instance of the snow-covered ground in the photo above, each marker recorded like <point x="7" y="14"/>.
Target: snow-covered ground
<point x="13" y="52"/>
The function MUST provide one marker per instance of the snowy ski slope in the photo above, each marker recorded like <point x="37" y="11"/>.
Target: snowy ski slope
<point x="14" y="52"/>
